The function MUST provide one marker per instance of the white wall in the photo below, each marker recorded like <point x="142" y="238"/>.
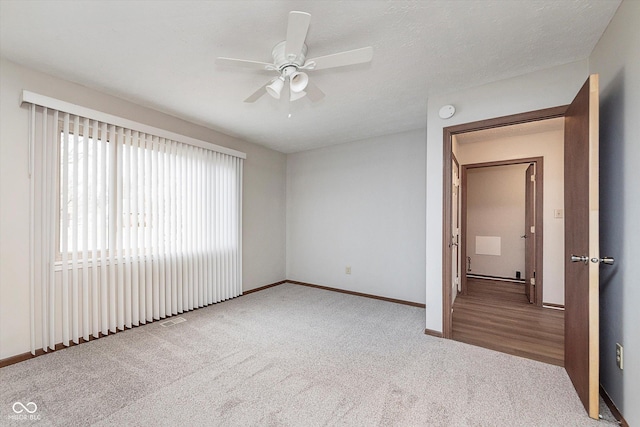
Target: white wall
<point x="361" y="205"/>
<point x="263" y="203"/>
<point x="549" y="145"/>
<point x="616" y="58"/>
<point x="541" y="89"/>
<point x="496" y="207"/>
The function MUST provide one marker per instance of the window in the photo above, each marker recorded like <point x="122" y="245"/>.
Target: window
<point x="159" y="188"/>
<point x="130" y="223"/>
<point x="80" y="154"/>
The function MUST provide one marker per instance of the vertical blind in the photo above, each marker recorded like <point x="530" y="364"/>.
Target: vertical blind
<point x="127" y="227"/>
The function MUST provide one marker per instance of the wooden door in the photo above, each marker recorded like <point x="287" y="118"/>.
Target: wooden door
<point x="581" y="244"/>
<point x="529" y="230"/>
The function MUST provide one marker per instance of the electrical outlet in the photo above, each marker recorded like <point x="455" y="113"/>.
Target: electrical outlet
<point x="619" y="356"/>
<point x="347" y="270"/>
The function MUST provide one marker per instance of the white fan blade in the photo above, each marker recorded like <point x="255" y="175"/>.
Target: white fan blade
<point x="296" y="33"/>
<point x="258" y="94"/>
<point x="313" y="92"/>
<point x="350" y="57"/>
<point x="256" y="65"/>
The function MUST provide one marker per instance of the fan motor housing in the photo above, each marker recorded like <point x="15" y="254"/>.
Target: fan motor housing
<point x="280" y="59"/>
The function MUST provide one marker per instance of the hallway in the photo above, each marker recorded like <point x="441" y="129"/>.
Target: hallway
<point x="496" y="315"/>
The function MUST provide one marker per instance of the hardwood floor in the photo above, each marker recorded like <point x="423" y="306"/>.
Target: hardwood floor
<point x="497" y="315"/>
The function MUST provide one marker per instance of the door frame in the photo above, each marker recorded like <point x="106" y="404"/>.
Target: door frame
<point x="458" y="288"/>
<point x="539" y="209"/>
<point x="447" y="136"/>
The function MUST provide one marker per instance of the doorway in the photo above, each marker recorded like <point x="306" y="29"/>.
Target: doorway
<point x="502" y="224"/>
<point x="501" y="228"/>
<point x="581" y="256"/>
<point x="497" y="315"/>
<point x="448" y="147"/>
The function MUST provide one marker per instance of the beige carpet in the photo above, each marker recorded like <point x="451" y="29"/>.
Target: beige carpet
<point x="290" y="356"/>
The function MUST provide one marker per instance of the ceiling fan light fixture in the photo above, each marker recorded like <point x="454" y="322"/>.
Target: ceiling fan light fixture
<point x="298" y="81"/>
<point x="294" y="96"/>
<point x="275" y="87"/>
<point x="290" y="61"/>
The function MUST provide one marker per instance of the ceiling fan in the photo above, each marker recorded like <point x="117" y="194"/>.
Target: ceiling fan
<point x="290" y="62"/>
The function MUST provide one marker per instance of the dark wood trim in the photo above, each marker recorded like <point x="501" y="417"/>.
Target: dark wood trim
<point x="612" y="407"/>
<point x="455" y="160"/>
<point x="463" y="230"/>
<point x="506" y="162"/>
<point x="513" y="119"/>
<point x="539" y="234"/>
<point x="59" y="346"/>
<point x="505" y="279"/>
<point x="461" y="215"/>
<point x="26" y="356"/>
<point x="539" y="224"/>
<point x="359" y="294"/>
<point x="433" y="333"/>
<point x="40" y="352"/>
<point x="447" y="186"/>
<point x="262" y="288"/>
<point x="447" y="136"/>
<point x="19" y="358"/>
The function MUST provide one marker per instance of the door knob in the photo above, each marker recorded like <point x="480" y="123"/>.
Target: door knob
<point x="604" y="260"/>
<point x="576" y="258"/>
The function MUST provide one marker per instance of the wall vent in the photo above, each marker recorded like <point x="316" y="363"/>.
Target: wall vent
<point x="173" y="321"/>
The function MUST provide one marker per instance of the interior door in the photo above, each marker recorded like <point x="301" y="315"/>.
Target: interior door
<point x="581" y="244"/>
<point x="529" y="240"/>
<point x="455" y="230"/>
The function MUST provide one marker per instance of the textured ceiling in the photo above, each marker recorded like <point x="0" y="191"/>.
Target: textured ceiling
<point x="162" y="55"/>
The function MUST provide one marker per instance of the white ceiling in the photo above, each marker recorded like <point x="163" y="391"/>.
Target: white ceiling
<point x="162" y="55"/>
